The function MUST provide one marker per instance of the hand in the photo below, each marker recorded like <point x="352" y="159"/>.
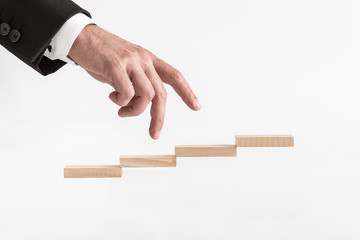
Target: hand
<point x="135" y="73"/>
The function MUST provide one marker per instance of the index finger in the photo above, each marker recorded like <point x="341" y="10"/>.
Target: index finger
<point x="173" y="77"/>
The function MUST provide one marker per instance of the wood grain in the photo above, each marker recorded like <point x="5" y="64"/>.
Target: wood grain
<point x="264" y="141"/>
<point x="148" y="161"/>
<point x="205" y="151"/>
<point x="93" y="171"/>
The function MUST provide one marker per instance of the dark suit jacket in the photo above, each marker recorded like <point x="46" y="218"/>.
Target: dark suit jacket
<point x="27" y="27"/>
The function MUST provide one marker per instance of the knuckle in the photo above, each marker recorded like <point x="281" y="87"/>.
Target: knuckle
<point x="160" y="122"/>
<point x="128" y="55"/>
<point x="149" y="94"/>
<point x="143" y="52"/>
<point x="162" y="95"/>
<point x="137" y="56"/>
<point x="152" y="94"/>
<point x="113" y="60"/>
<point x="145" y="56"/>
<point x="177" y="75"/>
<point x="128" y="93"/>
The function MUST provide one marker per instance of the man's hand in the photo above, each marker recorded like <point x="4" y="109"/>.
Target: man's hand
<point x="135" y="73"/>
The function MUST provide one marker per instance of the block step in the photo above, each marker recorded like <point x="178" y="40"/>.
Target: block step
<point x="264" y="140"/>
<point x="137" y="161"/>
<point x="148" y="161"/>
<point x="93" y="171"/>
<point x="205" y="151"/>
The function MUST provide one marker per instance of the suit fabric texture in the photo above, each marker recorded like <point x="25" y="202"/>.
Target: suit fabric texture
<point x="27" y="27"/>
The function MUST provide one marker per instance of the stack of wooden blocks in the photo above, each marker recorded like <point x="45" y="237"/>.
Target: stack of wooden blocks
<point x="101" y="171"/>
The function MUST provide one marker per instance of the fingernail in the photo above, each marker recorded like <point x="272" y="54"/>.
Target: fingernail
<point x="157" y="135"/>
<point x="197" y="104"/>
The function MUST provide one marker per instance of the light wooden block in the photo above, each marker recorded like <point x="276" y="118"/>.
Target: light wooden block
<point x="205" y="151"/>
<point x="264" y="141"/>
<point x="148" y="161"/>
<point x="93" y="171"/>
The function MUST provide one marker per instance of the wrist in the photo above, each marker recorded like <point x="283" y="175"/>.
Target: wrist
<point x="83" y="39"/>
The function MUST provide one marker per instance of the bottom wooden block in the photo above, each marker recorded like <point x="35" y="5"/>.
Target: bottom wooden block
<point x="93" y="171"/>
<point x="205" y="151"/>
<point x="148" y="161"/>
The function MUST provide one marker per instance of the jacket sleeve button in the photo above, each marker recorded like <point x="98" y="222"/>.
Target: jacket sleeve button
<point x="14" y="35"/>
<point x="4" y="29"/>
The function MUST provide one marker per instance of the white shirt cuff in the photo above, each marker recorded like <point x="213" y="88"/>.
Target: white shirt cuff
<point x="61" y="44"/>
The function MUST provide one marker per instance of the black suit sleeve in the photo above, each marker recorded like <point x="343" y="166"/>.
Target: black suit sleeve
<point x="27" y="27"/>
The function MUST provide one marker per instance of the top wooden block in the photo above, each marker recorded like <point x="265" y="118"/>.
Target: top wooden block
<point x="264" y="141"/>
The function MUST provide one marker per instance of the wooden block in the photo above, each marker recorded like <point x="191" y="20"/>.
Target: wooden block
<point x="148" y="161"/>
<point x="205" y="151"/>
<point x="93" y="171"/>
<point x="264" y="141"/>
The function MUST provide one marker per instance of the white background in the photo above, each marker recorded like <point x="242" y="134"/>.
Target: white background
<point x="258" y="67"/>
